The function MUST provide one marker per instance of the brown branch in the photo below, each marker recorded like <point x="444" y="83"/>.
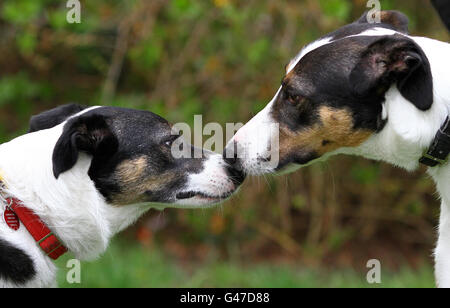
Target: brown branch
<point x="281" y="238"/>
<point x="143" y="9"/>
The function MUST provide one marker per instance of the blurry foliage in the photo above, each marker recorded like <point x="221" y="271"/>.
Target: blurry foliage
<point x="223" y="59"/>
<point x="140" y="267"/>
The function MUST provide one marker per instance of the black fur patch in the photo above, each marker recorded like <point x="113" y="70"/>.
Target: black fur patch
<point x="395" y="59"/>
<point x="443" y="8"/>
<point x="53" y="117"/>
<point x="15" y="265"/>
<point x="87" y="133"/>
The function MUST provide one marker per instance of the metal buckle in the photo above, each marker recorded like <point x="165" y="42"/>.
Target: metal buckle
<point x="439" y="161"/>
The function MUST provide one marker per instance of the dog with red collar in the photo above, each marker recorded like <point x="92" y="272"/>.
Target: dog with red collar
<point x="367" y="89"/>
<point x="81" y="175"/>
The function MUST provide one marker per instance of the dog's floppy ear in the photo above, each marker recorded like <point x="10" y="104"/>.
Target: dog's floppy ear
<point x="88" y="133"/>
<point x="53" y="117"/>
<point x="394" y="59"/>
<point x="397" y="20"/>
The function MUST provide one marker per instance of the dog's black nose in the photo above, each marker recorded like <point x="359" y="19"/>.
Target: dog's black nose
<point x="237" y="176"/>
<point x="234" y="168"/>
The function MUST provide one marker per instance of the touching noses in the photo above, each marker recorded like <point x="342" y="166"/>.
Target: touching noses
<point x="234" y="166"/>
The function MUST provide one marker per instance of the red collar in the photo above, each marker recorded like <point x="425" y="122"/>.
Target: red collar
<point x="49" y="243"/>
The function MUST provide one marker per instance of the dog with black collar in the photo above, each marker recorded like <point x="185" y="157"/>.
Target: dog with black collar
<point x="367" y="89"/>
<point x="81" y="175"/>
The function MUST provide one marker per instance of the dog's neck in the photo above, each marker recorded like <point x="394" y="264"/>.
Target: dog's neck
<point x="408" y="133"/>
<point x="70" y="206"/>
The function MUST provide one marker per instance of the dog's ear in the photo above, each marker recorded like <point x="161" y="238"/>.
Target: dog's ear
<point x="397" y="20"/>
<point x="53" y="117"/>
<point x="394" y="59"/>
<point x="86" y="133"/>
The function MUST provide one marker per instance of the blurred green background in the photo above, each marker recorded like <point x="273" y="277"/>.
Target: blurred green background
<point x="223" y="59"/>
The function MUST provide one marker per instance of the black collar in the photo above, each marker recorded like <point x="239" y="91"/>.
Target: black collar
<point x="440" y="148"/>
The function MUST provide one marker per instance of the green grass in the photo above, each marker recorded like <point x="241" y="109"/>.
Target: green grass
<point x="132" y="266"/>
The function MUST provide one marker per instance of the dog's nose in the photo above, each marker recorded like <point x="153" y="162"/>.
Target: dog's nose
<point x="234" y="168"/>
<point x="237" y="176"/>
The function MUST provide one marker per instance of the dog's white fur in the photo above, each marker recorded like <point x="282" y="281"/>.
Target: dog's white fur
<point x="71" y="206"/>
<point x="402" y="142"/>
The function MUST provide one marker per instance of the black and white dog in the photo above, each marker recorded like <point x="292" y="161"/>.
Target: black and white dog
<point x="88" y="173"/>
<point x="366" y="89"/>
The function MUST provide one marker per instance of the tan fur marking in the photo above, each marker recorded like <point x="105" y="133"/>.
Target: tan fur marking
<point x="134" y="181"/>
<point x="289" y="76"/>
<point x="131" y="170"/>
<point x="334" y="131"/>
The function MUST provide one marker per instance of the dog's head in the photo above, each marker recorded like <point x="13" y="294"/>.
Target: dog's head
<point x="333" y="93"/>
<point x="132" y="161"/>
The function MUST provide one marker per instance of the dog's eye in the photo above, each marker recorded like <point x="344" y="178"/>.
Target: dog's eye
<point x="168" y="143"/>
<point x="295" y="99"/>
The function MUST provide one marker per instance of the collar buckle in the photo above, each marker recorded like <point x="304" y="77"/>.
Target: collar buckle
<point x="437" y="160"/>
